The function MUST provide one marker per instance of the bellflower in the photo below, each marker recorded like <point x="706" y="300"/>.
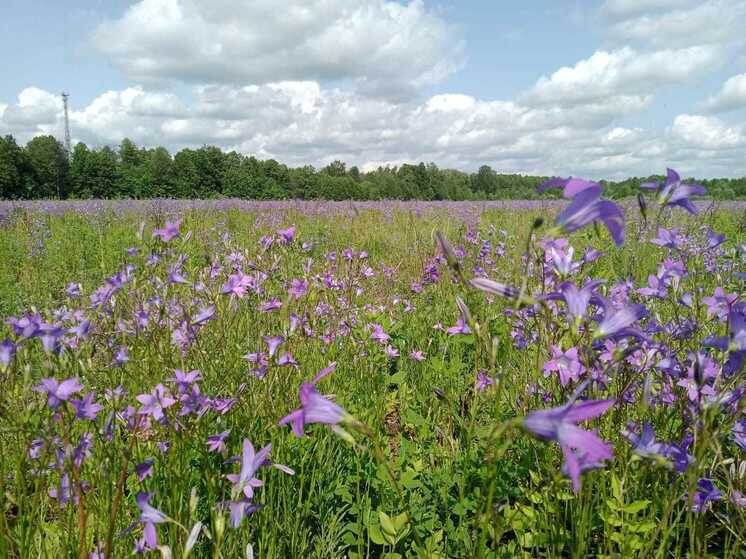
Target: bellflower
<point x="168" y="232"/>
<point x="565" y="364"/>
<point x="86" y="408"/>
<point x="58" y="392"/>
<point x="675" y="193"/>
<point x="315" y="408"/>
<point x="581" y="449"/>
<point x="149" y="517"/>
<point x="7" y="352"/>
<point x="587" y="207"/>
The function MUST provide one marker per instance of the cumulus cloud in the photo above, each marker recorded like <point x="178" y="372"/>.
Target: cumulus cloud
<point x="305" y="123"/>
<point x="385" y="47"/>
<point x="707" y="132"/>
<point x="732" y="96"/>
<point x="664" y="24"/>
<point x="607" y="74"/>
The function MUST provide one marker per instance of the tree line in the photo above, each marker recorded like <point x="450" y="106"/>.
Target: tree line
<point x="43" y="169"/>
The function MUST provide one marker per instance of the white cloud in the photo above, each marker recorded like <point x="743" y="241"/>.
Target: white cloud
<point x="707" y="133"/>
<point x="732" y="95"/>
<point x="682" y="24"/>
<point x="626" y="8"/>
<point x="384" y="46"/>
<point x="607" y="74"/>
<point x="304" y="123"/>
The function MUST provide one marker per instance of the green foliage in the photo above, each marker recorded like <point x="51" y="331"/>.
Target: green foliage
<point x="41" y="170"/>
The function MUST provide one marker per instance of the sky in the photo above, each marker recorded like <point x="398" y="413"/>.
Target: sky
<point x="600" y="89"/>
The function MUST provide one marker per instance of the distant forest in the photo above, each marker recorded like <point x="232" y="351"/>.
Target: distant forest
<point x="42" y="169"/>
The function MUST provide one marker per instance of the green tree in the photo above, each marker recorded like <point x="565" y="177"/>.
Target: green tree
<point x="49" y="166"/>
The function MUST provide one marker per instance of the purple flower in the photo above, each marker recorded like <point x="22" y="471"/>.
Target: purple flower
<point x="644" y="444"/>
<point x="286" y="359"/>
<point x="273" y="342"/>
<point x="483" y="381"/>
<point x="315" y="408"/>
<point x="241" y="509"/>
<point x="245" y="481"/>
<point x="58" y="392"/>
<point x="154" y="403"/>
<point x="271" y="305"/>
<point x="705" y="494"/>
<point x="298" y="288"/>
<point x="184" y="380"/>
<point x="582" y="450"/>
<point x="460" y="328"/>
<point x="720" y="303"/>
<point x="616" y="322"/>
<point x="121" y="357"/>
<point x="216" y="443"/>
<point x="286" y="235"/>
<point x="586" y="207"/>
<point x="417" y="355"/>
<point x="86" y="408"/>
<point x="7" y="352"/>
<point x="204" y="314"/>
<point x="571" y="186"/>
<point x="379" y="335"/>
<point x="169" y="232"/>
<point x="73" y="290"/>
<point x="577" y="300"/>
<point x="149" y="517"/>
<point x="565" y="364"/>
<point x="237" y="284"/>
<point x="675" y="193"/>
<point x="144" y="469"/>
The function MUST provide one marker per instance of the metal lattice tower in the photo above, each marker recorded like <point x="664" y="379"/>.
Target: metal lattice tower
<point x="68" y="149"/>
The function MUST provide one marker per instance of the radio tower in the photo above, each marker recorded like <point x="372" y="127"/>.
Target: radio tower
<point x="68" y="149"/>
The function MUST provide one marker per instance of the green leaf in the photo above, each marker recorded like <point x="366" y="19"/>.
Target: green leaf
<point x="636" y="507"/>
<point x="386" y="523"/>
<point x="375" y="535"/>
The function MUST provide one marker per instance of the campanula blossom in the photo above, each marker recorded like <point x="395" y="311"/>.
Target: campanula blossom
<point x="566" y="364"/>
<point x="581" y="449"/>
<point x="169" y="232"/>
<point x="58" y="392"/>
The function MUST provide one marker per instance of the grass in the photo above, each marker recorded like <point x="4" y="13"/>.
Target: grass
<point x="429" y="468"/>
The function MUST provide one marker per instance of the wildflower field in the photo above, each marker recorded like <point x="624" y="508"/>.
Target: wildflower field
<point x="228" y="379"/>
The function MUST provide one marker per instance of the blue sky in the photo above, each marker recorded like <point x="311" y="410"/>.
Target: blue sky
<point x="603" y="89"/>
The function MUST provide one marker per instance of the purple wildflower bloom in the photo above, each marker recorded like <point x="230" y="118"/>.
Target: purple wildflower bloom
<point x="706" y="493"/>
<point x="241" y="509"/>
<point x="565" y="364"/>
<point x="581" y="449"/>
<point x="204" y="314"/>
<point x="483" y="381"/>
<point x="460" y="328"/>
<point x="675" y="193"/>
<point x="315" y="408"/>
<point x="720" y="303"/>
<point x="571" y="186"/>
<point x="739" y="433"/>
<point x="169" y="232"/>
<point x="417" y="355"/>
<point x="273" y="342"/>
<point x="144" y="469"/>
<point x="644" y="444"/>
<point x="184" y="380"/>
<point x="245" y="481"/>
<point x="149" y="517"/>
<point x="286" y="235"/>
<point x="392" y="352"/>
<point x="618" y="321"/>
<point x="7" y="352"/>
<point x="121" y="356"/>
<point x="58" y="392"/>
<point x="86" y="408"/>
<point x="286" y="359"/>
<point x="63" y="492"/>
<point x="73" y="290"/>
<point x="216" y="443"/>
<point x="494" y="288"/>
<point x="577" y="300"/>
<point x="586" y="207"/>
<point x="298" y="288"/>
<point x="154" y="403"/>
<point x="379" y="335"/>
<point x="271" y="305"/>
<point x="237" y="284"/>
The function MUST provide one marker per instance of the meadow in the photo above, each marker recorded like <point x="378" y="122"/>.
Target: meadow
<point x="382" y="379"/>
